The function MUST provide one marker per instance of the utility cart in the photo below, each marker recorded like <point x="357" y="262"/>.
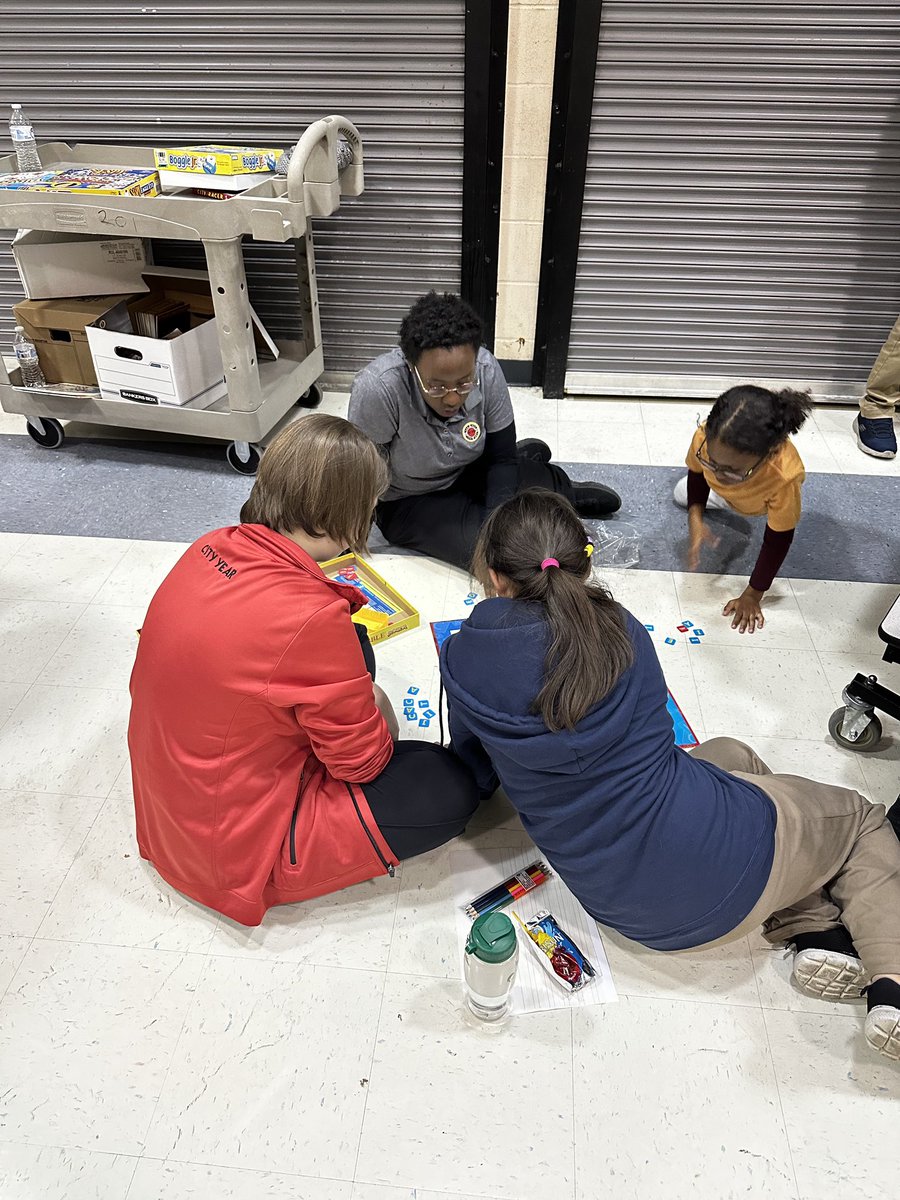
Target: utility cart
<point x="278" y="209"/>
<point x="854" y="725"/>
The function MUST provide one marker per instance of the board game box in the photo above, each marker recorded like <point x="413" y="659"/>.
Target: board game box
<point x="387" y="613"/>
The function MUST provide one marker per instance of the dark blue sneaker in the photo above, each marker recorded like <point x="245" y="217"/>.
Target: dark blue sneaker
<point x="875" y="436"/>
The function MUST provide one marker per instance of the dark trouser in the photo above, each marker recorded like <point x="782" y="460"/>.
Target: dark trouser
<point x="424" y="796"/>
<point x="445" y="525"/>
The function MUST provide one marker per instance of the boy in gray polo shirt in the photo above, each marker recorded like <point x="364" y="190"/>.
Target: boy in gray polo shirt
<point x="439" y="410"/>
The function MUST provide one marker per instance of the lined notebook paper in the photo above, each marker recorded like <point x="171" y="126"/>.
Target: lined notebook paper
<point x="474" y="871"/>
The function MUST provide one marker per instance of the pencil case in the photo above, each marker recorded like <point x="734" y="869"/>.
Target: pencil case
<point x="557" y="952"/>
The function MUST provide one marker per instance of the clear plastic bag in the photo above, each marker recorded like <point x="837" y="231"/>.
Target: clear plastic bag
<point x="615" y="546"/>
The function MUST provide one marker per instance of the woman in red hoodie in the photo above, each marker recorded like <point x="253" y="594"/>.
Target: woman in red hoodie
<point x="265" y="763"/>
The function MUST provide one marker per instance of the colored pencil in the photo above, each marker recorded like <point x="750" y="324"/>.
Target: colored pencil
<point x="509" y="890"/>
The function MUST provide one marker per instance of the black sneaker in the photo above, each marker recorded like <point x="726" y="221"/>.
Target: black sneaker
<point x="827" y="965"/>
<point x="533" y="449"/>
<point x="883" y="1017"/>
<point x="893" y="816"/>
<point x="595" y="500"/>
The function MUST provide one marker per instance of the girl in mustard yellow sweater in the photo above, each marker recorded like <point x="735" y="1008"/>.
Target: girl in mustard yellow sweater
<point x="744" y="456"/>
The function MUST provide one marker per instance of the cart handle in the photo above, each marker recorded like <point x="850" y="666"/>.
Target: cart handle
<point x="314" y="159"/>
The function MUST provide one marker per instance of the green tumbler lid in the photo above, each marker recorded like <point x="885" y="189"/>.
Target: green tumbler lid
<point x="492" y="938"/>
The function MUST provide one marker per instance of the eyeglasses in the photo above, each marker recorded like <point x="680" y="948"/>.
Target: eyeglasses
<point x="439" y="392"/>
<point x="726" y="474"/>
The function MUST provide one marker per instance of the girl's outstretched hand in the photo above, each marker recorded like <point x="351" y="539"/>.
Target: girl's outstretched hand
<point x="746" y="610"/>
<point x="701" y="535"/>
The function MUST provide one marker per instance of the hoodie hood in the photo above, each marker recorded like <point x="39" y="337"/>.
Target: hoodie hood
<point x="494" y="668"/>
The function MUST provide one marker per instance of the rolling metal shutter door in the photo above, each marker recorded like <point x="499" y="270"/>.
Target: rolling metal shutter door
<point x="742" y="209"/>
<point x="237" y="71"/>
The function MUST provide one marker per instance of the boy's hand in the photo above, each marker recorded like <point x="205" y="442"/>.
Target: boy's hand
<point x="747" y="612"/>
<point x="701" y="535"/>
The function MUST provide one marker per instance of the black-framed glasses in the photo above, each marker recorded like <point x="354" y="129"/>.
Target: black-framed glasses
<point x="726" y="473"/>
<point x="439" y="392"/>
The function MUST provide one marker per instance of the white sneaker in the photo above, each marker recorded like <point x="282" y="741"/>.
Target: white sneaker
<point x="883" y="1030"/>
<point x="830" y="975"/>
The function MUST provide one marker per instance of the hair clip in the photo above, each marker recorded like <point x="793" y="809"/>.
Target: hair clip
<point x="549" y="562"/>
<point x="589" y="549"/>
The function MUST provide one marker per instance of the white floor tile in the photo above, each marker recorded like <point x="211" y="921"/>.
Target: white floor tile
<point x="99" y="649"/>
<point x="31" y="633"/>
<point x="139" y="573"/>
<point x="840" y="1102"/>
<point x="425" y="1130"/>
<point x="155" y="1180"/>
<point x="87" y="1034"/>
<point x="112" y="897"/>
<point x="844" y="617"/>
<point x="724" y="975"/>
<point x="12" y="951"/>
<point x="815" y="450"/>
<point x="594" y="439"/>
<point x="424" y="938"/>
<point x="348" y="928"/>
<point x="69" y="740"/>
<point x="851" y="460"/>
<point x="376" y="1191"/>
<point x="602" y="412"/>
<point x="61" y="568"/>
<point x="648" y="595"/>
<point x="702" y="599"/>
<point x="10" y="544"/>
<point x="747" y="691"/>
<point x="12" y="423"/>
<point x="670" y="427"/>
<point x="50" y="1173"/>
<point x="270" y="1069"/>
<point x="40" y="836"/>
<point x="670" y="1096"/>
<point x="882" y="774"/>
<point x="11" y="696"/>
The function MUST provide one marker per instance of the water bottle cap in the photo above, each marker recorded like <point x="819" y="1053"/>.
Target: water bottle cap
<point x="20" y="329"/>
<point x="17" y="106"/>
<point x="492" y="938"/>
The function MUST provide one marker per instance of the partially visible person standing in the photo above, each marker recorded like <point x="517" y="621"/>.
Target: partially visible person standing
<point x="874" y="427"/>
<point x="439" y="410"/>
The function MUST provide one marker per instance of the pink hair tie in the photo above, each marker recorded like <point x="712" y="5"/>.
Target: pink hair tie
<point x="549" y="562"/>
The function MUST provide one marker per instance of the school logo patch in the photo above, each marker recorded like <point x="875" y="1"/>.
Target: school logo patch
<point x="471" y="431"/>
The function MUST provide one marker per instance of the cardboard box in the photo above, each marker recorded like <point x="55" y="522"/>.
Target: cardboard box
<point x="218" y="160"/>
<point x="186" y="370"/>
<point x="58" y="330"/>
<point x="387" y="613"/>
<point x="54" y="265"/>
<point x="88" y="181"/>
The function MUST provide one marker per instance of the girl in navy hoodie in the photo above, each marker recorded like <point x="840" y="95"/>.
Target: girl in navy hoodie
<point x="555" y="692"/>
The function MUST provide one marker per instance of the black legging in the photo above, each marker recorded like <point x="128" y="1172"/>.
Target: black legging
<point x="424" y="796"/>
<point x="445" y="525"/>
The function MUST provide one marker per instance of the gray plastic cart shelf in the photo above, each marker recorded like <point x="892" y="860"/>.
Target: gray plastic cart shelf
<point x="277" y="209"/>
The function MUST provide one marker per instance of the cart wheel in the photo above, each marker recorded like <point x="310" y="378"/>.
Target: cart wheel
<point x="312" y="397"/>
<point x="46" y="432"/>
<point x="243" y="457"/>
<point x="867" y="740"/>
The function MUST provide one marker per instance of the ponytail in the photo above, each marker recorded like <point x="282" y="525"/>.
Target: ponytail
<point x="589" y="648"/>
<point x="755" y="420"/>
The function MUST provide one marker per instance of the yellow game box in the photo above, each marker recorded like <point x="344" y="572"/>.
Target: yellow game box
<point x="387" y="613"/>
<point x="218" y="160"/>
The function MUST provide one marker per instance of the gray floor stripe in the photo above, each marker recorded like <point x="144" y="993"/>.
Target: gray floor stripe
<point x="169" y="492"/>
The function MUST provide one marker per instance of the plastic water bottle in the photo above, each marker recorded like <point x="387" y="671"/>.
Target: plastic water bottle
<point x="492" y="955"/>
<point x="27" y="355"/>
<point x="22" y="134"/>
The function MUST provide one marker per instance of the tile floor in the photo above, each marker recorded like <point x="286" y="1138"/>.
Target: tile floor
<point x="151" y="1050"/>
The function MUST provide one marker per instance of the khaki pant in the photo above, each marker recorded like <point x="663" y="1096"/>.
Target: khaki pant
<point x="837" y="861"/>
<point x="883" y="384"/>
